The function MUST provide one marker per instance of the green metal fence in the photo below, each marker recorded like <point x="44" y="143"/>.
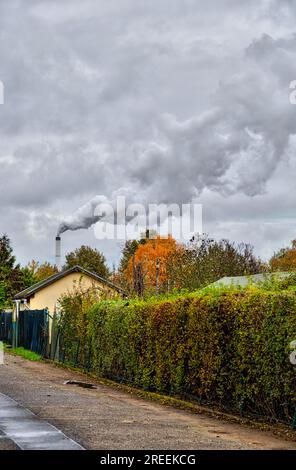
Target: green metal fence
<point x="30" y="330"/>
<point x="33" y="330"/>
<point x="6" y="327"/>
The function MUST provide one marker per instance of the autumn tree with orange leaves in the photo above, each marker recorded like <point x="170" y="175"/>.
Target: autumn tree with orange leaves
<point x="161" y="265"/>
<point x="148" y="269"/>
<point x="285" y="259"/>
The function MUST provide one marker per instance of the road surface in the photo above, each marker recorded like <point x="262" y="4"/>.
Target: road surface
<point x="108" y="419"/>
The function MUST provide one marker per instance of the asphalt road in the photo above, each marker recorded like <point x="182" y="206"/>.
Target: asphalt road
<point x="105" y="418"/>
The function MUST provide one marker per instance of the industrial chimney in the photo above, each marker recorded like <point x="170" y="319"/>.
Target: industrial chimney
<point x="58" y="253"/>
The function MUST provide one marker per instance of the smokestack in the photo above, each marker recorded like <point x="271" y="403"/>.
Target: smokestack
<point x="58" y="253"/>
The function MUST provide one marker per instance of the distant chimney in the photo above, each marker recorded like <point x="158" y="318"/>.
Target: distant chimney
<point x="58" y="253"/>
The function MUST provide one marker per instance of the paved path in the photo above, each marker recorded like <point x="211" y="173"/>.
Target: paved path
<point x="105" y="418"/>
<point x="28" y="432"/>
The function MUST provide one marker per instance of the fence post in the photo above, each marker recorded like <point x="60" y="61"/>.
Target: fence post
<point x="77" y="352"/>
<point x="56" y="347"/>
<point x="293" y="424"/>
<point x="15" y="320"/>
<point x="13" y="324"/>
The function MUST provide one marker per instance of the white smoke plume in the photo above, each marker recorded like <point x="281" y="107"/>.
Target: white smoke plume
<point x="88" y="214"/>
<point x="85" y="216"/>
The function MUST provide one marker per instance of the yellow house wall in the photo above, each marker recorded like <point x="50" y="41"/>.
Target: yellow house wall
<point x="49" y="296"/>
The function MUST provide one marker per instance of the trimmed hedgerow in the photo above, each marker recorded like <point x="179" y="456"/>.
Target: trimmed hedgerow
<point x="226" y="348"/>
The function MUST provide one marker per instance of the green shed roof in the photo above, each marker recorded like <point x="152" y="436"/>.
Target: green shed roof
<point x="244" y="281"/>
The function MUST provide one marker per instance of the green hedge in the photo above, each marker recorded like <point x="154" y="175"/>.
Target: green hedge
<point x="229" y="349"/>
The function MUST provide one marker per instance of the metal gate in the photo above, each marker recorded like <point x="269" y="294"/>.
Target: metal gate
<point x="33" y="327"/>
<point x="6" y="327"/>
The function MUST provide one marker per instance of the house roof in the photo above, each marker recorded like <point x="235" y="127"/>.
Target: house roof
<point x="26" y="293"/>
<point x="244" y="281"/>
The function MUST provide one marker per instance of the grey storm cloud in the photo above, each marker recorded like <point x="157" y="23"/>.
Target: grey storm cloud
<point x="158" y="101"/>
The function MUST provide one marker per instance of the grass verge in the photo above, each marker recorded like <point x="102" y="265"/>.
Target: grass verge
<point x="25" y="353"/>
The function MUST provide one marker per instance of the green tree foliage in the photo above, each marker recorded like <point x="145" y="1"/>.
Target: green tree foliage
<point x="128" y="251"/>
<point x="44" y="271"/>
<point x="206" y="260"/>
<point x="28" y="277"/>
<point x="88" y="258"/>
<point x="11" y="277"/>
<point x="35" y="272"/>
<point x="2" y="295"/>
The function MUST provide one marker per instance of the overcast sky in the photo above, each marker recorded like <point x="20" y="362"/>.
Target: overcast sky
<point x="164" y="100"/>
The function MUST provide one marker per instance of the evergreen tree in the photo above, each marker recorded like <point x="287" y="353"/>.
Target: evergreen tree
<point x="128" y="251"/>
<point x="11" y="277"/>
<point x="2" y="295"/>
<point x="27" y="277"/>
